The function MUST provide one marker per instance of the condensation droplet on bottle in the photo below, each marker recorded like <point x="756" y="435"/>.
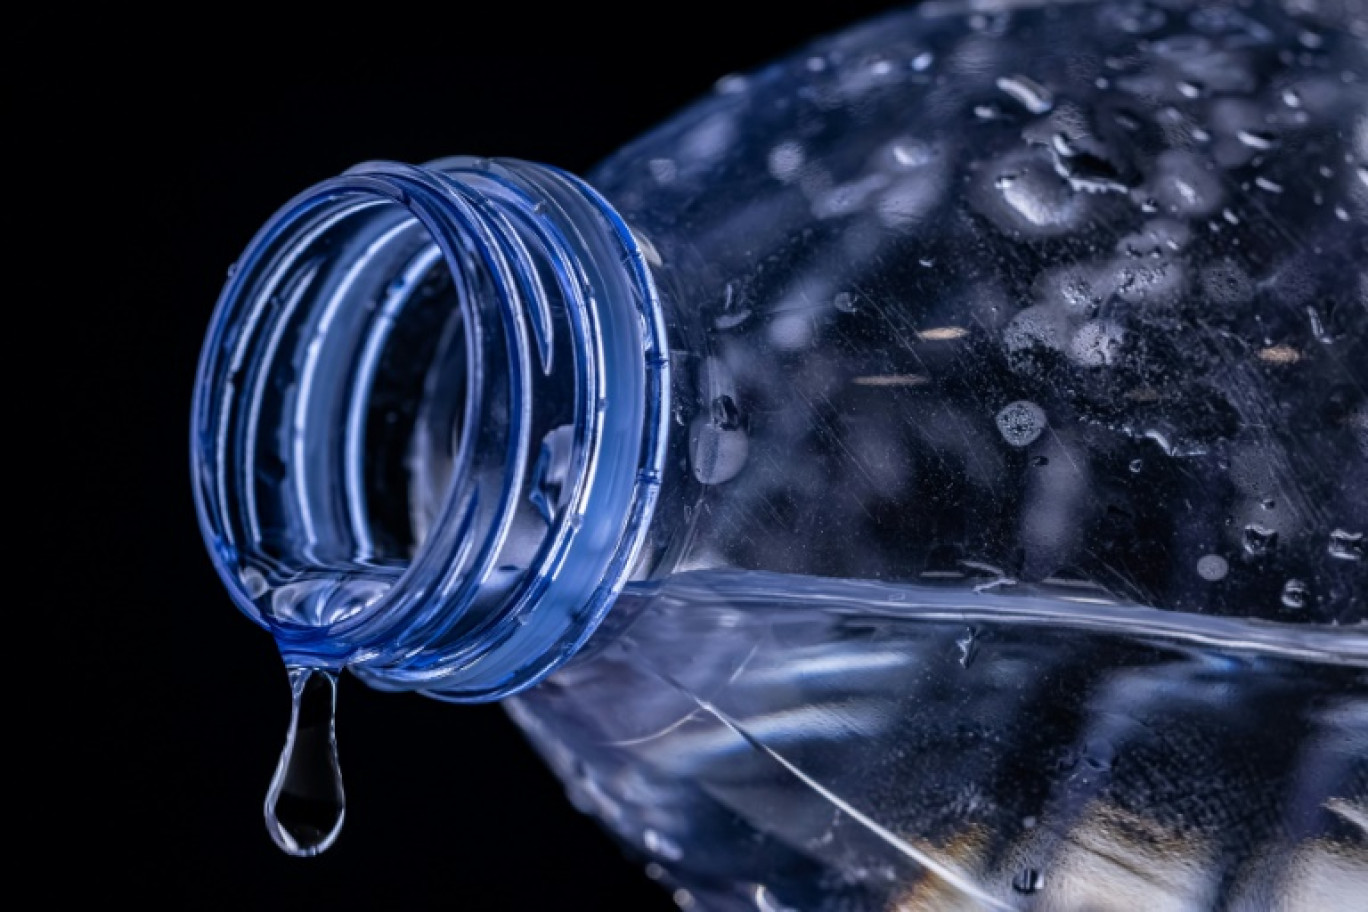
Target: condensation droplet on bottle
<point x="683" y="898"/>
<point x="765" y="901"/>
<point x="844" y="302"/>
<point x="1255" y="139"/>
<point x="732" y="313"/>
<point x="785" y="161"/>
<point x="1184" y="186"/>
<point x="659" y="844"/>
<point x="725" y="413"/>
<point x="716" y="454"/>
<point x="1136" y="465"/>
<point x="922" y="62"/>
<point x="1021" y="422"/>
<point x="1030" y="94"/>
<point x="1258" y="539"/>
<point x="1097" y="343"/>
<point x="663" y="170"/>
<point x="1212" y="567"/>
<point x="305" y="804"/>
<point x="732" y="84"/>
<point x="1029" y="880"/>
<point x="1295" y="594"/>
<point x="1346" y="545"/>
<point x="232" y="269"/>
<point x="1030" y="199"/>
<point x="1268" y="185"/>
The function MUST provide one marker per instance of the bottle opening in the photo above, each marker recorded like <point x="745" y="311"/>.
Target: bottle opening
<point x="428" y="421"/>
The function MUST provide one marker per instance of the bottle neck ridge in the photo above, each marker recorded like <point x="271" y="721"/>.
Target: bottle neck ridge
<point x="429" y="423"/>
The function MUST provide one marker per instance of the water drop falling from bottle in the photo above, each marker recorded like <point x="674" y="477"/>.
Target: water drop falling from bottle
<point x="305" y="804"/>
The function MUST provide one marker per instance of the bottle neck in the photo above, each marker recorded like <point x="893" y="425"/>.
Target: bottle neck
<point x="429" y="423"/>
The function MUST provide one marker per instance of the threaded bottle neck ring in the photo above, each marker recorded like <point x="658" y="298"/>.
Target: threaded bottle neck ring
<point x="429" y="423"/>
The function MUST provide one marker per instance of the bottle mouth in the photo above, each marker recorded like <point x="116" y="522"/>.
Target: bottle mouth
<point x="429" y="422"/>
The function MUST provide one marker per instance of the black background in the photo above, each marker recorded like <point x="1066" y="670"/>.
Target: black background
<point x="170" y="143"/>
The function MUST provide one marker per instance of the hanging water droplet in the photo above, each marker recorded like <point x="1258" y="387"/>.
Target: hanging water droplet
<point x="1021" y="422"/>
<point x="844" y="302"/>
<point x="1346" y="545"/>
<point x="1265" y="184"/>
<point x="1028" y="880"/>
<point x="1294" y="594"/>
<point x="305" y="803"/>
<point x="1259" y="540"/>
<point x="1212" y="567"/>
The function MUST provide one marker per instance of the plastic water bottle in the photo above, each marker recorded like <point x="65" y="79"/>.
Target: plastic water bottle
<point x="929" y="472"/>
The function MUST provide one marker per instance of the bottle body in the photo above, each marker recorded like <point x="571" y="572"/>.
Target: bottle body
<point x="932" y="470"/>
<point x="1020" y="465"/>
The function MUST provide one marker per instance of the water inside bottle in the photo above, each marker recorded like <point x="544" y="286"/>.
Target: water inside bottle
<point x="856" y="745"/>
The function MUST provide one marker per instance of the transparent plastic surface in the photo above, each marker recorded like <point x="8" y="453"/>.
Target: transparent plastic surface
<point x="1020" y="361"/>
<point x="937" y="463"/>
<point x="842" y="745"/>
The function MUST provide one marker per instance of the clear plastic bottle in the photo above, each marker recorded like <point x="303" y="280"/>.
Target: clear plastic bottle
<point x="929" y="472"/>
